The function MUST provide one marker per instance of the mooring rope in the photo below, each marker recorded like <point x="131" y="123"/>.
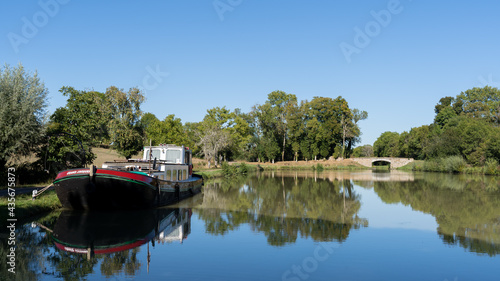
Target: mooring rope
<point x="38" y="192"/>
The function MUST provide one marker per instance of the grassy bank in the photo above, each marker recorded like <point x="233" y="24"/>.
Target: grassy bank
<point x="453" y="164"/>
<point x="26" y="208"/>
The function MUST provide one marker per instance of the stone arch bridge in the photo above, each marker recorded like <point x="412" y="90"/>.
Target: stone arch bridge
<point x="394" y="162"/>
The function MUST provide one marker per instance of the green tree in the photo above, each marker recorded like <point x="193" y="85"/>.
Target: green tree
<point x="22" y="112"/>
<point x="323" y="117"/>
<point x="149" y="122"/>
<point x="481" y="103"/>
<point x="351" y="129"/>
<point x="75" y="128"/>
<point x="387" y="145"/>
<point x="363" y="151"/>
<point x="273" y="117"/>
<point x="214" y="135"/>
<point x="125" y="129"/>
<point x="86" y="116"/>
<point x="168" y="131"/>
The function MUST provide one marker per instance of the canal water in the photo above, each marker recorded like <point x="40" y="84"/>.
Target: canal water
<point x="362" y="225"/>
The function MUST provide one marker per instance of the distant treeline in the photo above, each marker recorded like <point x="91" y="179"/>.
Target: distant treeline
<point x="279" y="129"/>
<point x="467" y="126"/>
<point x="282" y="128"/>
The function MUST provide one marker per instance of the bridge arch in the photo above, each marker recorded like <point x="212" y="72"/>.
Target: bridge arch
<point x="384" y="162"/>
<point x="394" y="162"/>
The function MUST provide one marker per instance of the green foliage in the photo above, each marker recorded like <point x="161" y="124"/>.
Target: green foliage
<point x="168" y="131"/>
<point x="481" y="103"/>
<point x="454" y="164"/>
<point x="273" y="118"/>
<point x="243" y="168"/>
<point x="465" y="126"/>
<point x="337" y="152"/>
<point x="491" y="167"/>
<point x="387" y="145"/>
<point x="232" y="170"/>
<point x="228" y="170"/>
<point x="319" y="167"/>
<point x="125" y="130"/>
<point x="363" y="151"/>
<point x="22" y="111"/>
<point x="86" y="116"/>
<point x="74" y="129"/>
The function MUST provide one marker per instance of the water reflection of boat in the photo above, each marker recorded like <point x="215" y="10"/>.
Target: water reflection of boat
<point x="108" y="232"/>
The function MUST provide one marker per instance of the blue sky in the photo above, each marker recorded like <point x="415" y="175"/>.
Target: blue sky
<point x="190" y="56"/>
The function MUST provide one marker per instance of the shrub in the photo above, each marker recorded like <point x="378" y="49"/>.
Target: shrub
<point x="319" y="167"/>
<point x="454" y="164"/>
<point x="433" y="165"/>
<point x="228" y="170"/>
<point x="243" y="168"/>
<point x="491" y="167"/>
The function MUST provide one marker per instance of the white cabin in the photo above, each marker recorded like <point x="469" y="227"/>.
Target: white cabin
<point x="172" y="162"/>
<point x="166" y="162"/>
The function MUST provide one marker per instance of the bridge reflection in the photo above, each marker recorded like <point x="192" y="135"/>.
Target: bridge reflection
<point x="332" y="176"/>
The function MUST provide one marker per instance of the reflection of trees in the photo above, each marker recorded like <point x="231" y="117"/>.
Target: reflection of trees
<point x="28" y="254"/>
<point x="71" y="266"/>
<point x="467" y="209"/>
<point x="282" y="207"/>
<point x="31" y="247"/>
<point x="125" y="261"/>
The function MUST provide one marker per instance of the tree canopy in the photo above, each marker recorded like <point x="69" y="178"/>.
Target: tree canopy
<point x="22" y="112"/>
<point x="466" y="125"/>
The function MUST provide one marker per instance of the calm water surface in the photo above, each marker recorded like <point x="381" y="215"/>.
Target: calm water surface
<point x="282" y="226"/>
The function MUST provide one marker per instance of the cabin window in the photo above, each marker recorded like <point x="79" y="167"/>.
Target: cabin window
<point x="173" y="156"/>
<point x="155" y="154"/>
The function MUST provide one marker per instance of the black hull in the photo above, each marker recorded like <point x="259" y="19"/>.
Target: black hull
<point x="121" y="190"/>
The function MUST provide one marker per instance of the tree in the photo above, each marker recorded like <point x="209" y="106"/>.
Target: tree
<point x="351" y="128"/>
<point x="323" y="117"/>
<point x="74" y="129"/>
<point x="22" y="112"/>
<point x="86" y="116"/>
<point x="125" y="128"/>
<point x="273" y="117"/>
<point x="213" y="139"/>
<point x="214" y="135"/>
<point x="169" y="131"/>
<point x="481" y="103"/>
<point x="387" y="145"/>
<point x="296" y="125"/>
<point x="363" y="151"/>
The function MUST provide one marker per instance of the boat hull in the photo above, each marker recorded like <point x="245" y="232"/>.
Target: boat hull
<point x="111" y="189"/>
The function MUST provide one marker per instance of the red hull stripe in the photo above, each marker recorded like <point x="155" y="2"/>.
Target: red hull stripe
<point x="86" y="171"/>
<point x="102" y="251"/>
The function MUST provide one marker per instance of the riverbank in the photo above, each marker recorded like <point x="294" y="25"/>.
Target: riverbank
<point x="237" y="168"/>
<point x="453" y="164"/>
<point x="25" y="207"/>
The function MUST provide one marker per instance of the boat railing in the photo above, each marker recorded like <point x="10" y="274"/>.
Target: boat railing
<point x="162" y="169"/>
